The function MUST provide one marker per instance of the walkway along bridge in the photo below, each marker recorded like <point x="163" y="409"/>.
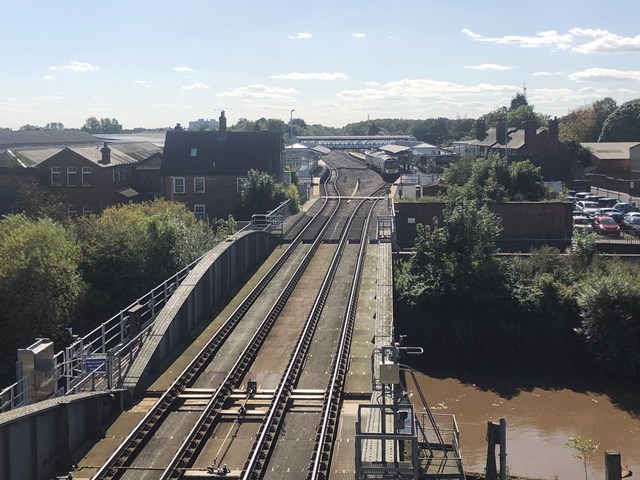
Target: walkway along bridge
<point x="274" y="386"/>
<point x="352" y="142"/>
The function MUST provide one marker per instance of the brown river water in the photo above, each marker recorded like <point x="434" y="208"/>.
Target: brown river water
<point x="540" y="420"/>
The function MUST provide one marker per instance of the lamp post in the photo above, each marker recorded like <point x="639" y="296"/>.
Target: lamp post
<point x="291" y="127"/>
<point x="506" y="133"/>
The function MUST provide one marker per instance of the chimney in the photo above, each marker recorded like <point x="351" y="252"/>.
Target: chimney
<point x="223" y="122"/>
<point x="481" y="129"/>
<point x="553" y="130"/>
<point x="106" y="154"/>
<point x="501" y="131"/>
<point x="178" y="128"/>
<point x="530" y="132"/>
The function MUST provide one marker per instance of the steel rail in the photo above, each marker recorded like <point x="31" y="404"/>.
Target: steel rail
<point x="267" y="434"/>
<point x="321" y="459"/>
<point x="114" y="466"/>
<point x="195" y="440"/>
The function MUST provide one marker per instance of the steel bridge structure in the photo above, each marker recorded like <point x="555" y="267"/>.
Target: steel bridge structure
<point x="352" y="142"/>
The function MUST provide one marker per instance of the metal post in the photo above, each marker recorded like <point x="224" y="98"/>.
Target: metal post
<point x="612" y="465"/>
<point x="503" y="449"/>
<point x="103" y="334"/>
<point x="506" y="133"/>
<point x="122" y="329"/>
<point x="291" y="128"/>
<point x="110" y="369"/>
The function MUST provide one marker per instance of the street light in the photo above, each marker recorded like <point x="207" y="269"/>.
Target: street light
<point x="506" y="133"/>
<point x="291" y="126"/>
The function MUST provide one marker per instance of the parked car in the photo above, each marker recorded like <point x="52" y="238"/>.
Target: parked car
<point x="587" y="208"/>
<point x="582" y="224"/>
<point x="606" y="226"/>
<point x="581" y="195"/>
<point x="631" y="223"/>
<point x="607" y="202"/>
<point x="625" y="207"/>
<point x="571" y="199"/>
<point x="610" y="212"/>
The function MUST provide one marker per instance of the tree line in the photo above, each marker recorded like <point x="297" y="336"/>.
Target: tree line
<point x="78" y="272"/>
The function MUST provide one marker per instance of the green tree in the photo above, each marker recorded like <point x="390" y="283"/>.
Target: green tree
<point x="518" y="101"/>
<point x="140" y="245"/>
<point x="261" y="193"/>
<point x="601" y="109"/>
<point x="585" y="449"/>
<point x="623" y="125"/>
<point x="35" y="201"/>
<point x="525" y="182"/>
<point x="609" y="301"/>
<point x="92" y="125"/>
<point x="40" y="282"/>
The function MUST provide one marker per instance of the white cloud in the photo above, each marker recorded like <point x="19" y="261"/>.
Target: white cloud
<point x="372" y="84"/>
<point x="52" y="97"/>
<point x="628" y="90"/>
<point x="489" y="67"/>
<point x="605" y="74"/>
<point x="141" y="82"/>
<point x="310" y="76"/>
<point x="358" y="35"/>
<point x="550" y="38"/>
<point x="197" y="86"/>
<point x="47" y="77"/>
<point x="76" y="66"/>
<point x="183" y="69"/>
<point x="545" y="74"/>
<point x="605" y="42"/>
<point x="300" y="36"/>
<point x="260" y="91"/>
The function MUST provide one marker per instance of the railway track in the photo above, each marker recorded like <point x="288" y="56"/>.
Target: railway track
<point x="131" y="459"/>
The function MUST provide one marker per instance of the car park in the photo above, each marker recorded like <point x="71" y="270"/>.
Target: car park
<point x="631" y="223"/>
<point x="582" y="195"/>
<point x="582" y="224"/>
<point x="606" y="226"/>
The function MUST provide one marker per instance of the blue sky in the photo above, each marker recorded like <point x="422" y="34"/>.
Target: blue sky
<point x="157" y="63"/>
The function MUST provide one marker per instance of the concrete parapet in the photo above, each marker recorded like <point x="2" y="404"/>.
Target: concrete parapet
<point x="193" y="302"/>
<point x="41" y="440"/>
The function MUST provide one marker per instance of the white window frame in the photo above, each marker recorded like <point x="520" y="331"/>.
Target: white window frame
<point x="199" y="189"/>
<point x="72" y="211"/>
<point x="199" y="210"/>
<point x="175" y="182"/>
<point x="57" y="171"/>
<point x="86" y="176"/>
<point x="72" y="173"/>
<point x="194" y="151"/>
<point x="240" y="181"/>
<point x="87" y="209"/>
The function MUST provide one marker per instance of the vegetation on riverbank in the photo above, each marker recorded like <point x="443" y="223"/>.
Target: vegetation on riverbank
<point x="462" y="301"/>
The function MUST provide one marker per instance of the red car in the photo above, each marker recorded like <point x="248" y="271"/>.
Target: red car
<point x="606" y="226"/>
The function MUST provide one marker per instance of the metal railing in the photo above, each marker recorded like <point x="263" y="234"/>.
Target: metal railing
<point x="104" y="354"/>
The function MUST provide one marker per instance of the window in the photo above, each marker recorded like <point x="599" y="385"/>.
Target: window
<point x="194" y="151"/>
<point x="72" y="211"/>
<point x="178" y="185"/>
<point x="199" y="212"/>
<point x="198" y="185"/>
<point x="240" y="184"/>
<point x="87" y="210"/>
<point x="72" y="176"/>
<point x="86" y="176"/>
<point x="55" y="176"/>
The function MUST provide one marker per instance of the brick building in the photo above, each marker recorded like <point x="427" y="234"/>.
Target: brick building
<point x="205" y="170"/>
<point x="539" y="145"/>
<point x="85" y="174"/>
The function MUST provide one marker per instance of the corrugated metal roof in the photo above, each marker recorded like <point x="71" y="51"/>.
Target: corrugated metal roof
<point x="26" y="138"/>
<point x="394" y="148"/>
<point x="321" y="150"/>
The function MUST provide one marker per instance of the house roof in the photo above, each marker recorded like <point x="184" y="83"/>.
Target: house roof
<point x="137" y="150"/>
<point x="221" y="153"/>
<point x="33" y="138"/>
<point x="394" y="148"/>
<point x="611" y="150"/>
<point x="321" y="150"/>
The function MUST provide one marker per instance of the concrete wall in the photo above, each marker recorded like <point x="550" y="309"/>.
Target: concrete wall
<point x="193" y="303"/>
<point x="41" y="440"/>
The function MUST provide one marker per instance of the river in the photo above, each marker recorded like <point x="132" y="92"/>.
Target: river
<point x="540" y="420"/>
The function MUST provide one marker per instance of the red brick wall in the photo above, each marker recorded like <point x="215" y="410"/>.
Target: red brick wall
<point x="520" y="220"/>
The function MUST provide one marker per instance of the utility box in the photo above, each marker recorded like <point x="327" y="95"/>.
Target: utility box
<point x="36" y="364"/>
<point x="389" y="373"/>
